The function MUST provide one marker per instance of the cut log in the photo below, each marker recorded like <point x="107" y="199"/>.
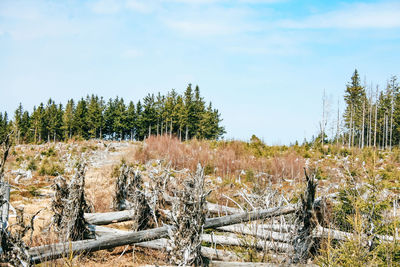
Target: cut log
<point x="54" y="251"/>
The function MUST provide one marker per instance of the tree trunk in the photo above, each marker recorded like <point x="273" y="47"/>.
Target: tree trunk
<point x="54" y="251"/>
<point x="363" y="126"/>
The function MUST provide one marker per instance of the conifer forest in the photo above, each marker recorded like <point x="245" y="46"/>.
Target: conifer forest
<point x="186" y="116"/>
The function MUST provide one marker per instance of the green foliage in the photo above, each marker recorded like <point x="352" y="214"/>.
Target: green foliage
<point x="51" y="168"/>
<point x="32" y="165"/>
<point x="49" y="152"/>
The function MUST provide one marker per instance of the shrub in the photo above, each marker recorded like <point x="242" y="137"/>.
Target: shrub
<point x="32" y="165"/>
<point x="52" y="169"/>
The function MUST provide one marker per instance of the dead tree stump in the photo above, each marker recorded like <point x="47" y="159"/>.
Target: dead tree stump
<point x="304" y="244"/>
<point x="188" y="217"/>
<point x="69" y="206"/>
<point x="129" y="194"/>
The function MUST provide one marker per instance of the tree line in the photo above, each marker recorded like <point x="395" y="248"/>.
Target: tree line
<point x="371" y="117"/>
<point x="186" y="116"/>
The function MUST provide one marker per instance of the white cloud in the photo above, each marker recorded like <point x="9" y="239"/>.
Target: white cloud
<point x="202" y="28"/>
<point x="352" y="16"/>
<point x="106" y="7"/>
<point x="141" y="6"/>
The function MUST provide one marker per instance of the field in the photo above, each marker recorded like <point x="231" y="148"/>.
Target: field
<point x="360" y="189"/>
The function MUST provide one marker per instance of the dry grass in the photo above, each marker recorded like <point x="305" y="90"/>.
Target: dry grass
<point x="225" y="159"/>
<point x="230" y="166"/>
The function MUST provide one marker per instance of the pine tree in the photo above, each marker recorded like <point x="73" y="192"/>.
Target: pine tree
<point x="120" y="118"/>
<point x="53" y="120"/>
<point x="354" y="97"/>
<point x="80" y="119"/>
<point x="4" y="125"/>
<point x="94" y="116"/>
<point x="68" y="119"/>
<point x="25" y="126"/>
<point x="149" y="117"/>
<point x="130" y="120"/>
<point x="199" y="110"/>
<point x="17" y="122"/>
<point x="139" y="126"/>
<point x="190" y="117"/>
<point x="37" y="123"/>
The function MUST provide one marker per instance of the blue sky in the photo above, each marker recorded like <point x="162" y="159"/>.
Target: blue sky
<point x="263" y="63"/>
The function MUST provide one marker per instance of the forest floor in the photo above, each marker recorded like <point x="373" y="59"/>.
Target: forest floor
<point x="234" y="170"/>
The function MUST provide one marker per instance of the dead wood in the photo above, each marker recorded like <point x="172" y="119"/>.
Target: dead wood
<point x="256" y="231"/>
<point x="54" y="251"/>
<point x="105" y="218"/>
<point x="304" y="242"/>
<point x="188" y="215"/>
<point x="69" y="205"/>
<point x="5" y="146"/>
<point x="129" y="194"/>
<point x="13" y="249"/>
<point x="234" y="240"/>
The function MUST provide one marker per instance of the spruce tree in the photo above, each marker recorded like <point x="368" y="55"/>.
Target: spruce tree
<point x="68" y="119"/>
<point x="355" y="98"/>
<point x="80" y="119"/>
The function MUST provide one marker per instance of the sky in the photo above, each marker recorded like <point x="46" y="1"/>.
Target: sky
<point x="265" y="64"/>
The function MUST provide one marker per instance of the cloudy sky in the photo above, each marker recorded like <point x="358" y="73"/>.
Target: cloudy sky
<point x="263" y="63"/>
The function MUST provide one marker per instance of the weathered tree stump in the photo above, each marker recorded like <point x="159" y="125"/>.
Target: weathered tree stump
<point x="69" y="206"/>
<point x="188" y="217"/>
<point x="305" y="243"/>
<point x="129" y="194"/>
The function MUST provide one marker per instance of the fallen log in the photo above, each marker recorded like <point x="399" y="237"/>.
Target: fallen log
<point x="333" y="234"/>
<point x="279" y="232"/>
<point x="219" y="239"/>
<point x="256" y="231"/>
<point x="234" y="240"/>
<point x="48" y="252"/>
<point x="126" y="215"/>
<point x="220" y="209"/>
<point x="108" y="217"/>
